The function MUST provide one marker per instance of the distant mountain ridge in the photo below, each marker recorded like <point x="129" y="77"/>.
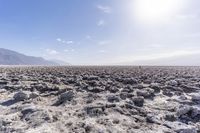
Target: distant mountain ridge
<point x="9" y="57"/>
<point x="62" y="63"/>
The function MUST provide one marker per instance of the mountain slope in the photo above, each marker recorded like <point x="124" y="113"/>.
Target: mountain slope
<point x="9" y="57"/>
<point x="62" y="63"/>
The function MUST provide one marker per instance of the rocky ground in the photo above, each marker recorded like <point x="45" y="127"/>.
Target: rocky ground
<point x="100" y="99"/>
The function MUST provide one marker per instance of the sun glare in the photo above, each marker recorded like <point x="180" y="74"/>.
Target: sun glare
<point x="155" y="10"/>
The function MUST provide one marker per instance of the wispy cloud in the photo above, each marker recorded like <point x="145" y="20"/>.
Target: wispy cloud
<point x="88" y="37"/>
<point x="59" y="39"/>
<point x="69" y="42"/>
<point x="102" y="51"/>
<point x="101" y="22"/>
<point x="105" y="9"/>
<point x="105" y="42"/>
<point x="64" y="42"/>
<point x="51" y="52"/>
<point x="69" y="50"/>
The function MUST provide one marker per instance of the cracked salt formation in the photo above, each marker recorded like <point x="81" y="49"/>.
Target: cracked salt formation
<point x="100" y="99"/>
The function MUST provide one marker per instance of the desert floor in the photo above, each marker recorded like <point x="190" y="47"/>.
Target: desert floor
<point x="99" y="99"/>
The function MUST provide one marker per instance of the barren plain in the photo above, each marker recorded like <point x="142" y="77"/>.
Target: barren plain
<point x="107" y="99"/>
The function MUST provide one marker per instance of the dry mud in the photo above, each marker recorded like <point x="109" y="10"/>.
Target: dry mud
<point x="99" y="99"/>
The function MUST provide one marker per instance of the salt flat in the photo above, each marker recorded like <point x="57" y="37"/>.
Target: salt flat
<point x="106" y="99"/>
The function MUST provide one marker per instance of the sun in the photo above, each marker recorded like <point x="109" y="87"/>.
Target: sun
<point x="155" y="10"/>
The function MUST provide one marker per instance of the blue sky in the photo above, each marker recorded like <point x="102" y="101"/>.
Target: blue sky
<point x="101" y="31"/>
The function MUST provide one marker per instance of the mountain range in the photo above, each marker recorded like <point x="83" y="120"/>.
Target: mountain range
<point x="9" y="57"/>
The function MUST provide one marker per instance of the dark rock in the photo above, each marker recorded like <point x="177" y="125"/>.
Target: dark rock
<point x="28" y="110"/>
<point x="64" y="97"/>
<point x="110" y="105"/>
<point x="170" y="117"/>
<point x="91" y="97"/>
<point x="60" y="91"/>
<point x="93" y="83"/>
<point x="116" y="121"/>
<point x="112" y="99"/>
<point x="187" y="130"/>
<point x="89" y="100"/>
<point x="113" y="89"/>
<point x="67" y="96"/>
<point x="4" y="122"/>
<point x="182" y="110"/>
<point x="125" y="95"/>
<point x="138" y="101"/>
<point x="10" y="87"/>
<point x="127" y="90"/>
<point x="88" y="128"/>
<point x="189" y="88"/>
<point x="182" y="97"/>
<point x="151" y="118"/>
<point x="21" y="96"/>
<point x="130" y="81"/>
<point x="139" y="86"/>
<point x="146" y="93"/>
<point x="33" y="95"/>
<point x="14" y="80"/>
<point x="156" y="87"/>
<point x="95" y="111"/>
<point x="119" y="110"/>
<point x="43" y="88"/>
<point x="3" y="82"/>
<point x="103" y="121"/>
<point x="71" y="81"/>
<point x="167" y="93"/>
<point x="37" y="118"/>
<point x="96" y="89"/>
<point x="90" y="77"/>
<point x="179" y="127"/>
<point x="195" y="113"/>
<point x="196" y="97"/>
<point x="188" y="113"/>
<point x="172" y="83"/>
<point x="56" y="81"/>
<point x="128" y="106"/>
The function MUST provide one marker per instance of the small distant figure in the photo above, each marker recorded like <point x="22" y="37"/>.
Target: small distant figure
<point x="140" y="67"/>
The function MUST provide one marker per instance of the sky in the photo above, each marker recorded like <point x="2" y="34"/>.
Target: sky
<point x="103" y="32"/>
